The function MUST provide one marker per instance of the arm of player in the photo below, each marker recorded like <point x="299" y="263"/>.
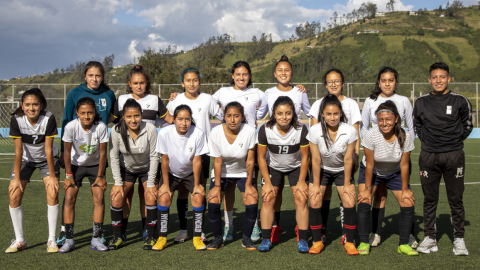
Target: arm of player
<point x="67" y="150"/>
<point x="16" y="183"/>
<point x="366" y="194"/>
<point x="197" y="169"/>
<point x="214" y="195"/>
<point x="52" y="179"/>
<point x="407" y="194"/>
<point x="349" y="189"/>
<point x="314" y="189"/>
<point x="302" y="186"/>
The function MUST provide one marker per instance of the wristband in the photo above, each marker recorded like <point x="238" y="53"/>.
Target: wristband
<point x="69" y="175"/>
<point x="218" y="186"/>
<point x="101" y="176"/>
<point x="369" y="187"/>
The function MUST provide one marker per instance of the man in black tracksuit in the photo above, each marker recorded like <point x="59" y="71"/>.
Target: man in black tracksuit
<point x="443" y="120"/>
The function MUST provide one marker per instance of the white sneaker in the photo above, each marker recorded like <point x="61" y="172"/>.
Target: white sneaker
<point x="375" y="240"/>
<point x="459" y="247"/>
<point x="204" y="238"/>
<point x="52" y="246"/>
<point x="412" y="242"/>
<point x="182" y="236"/>
<point x="428" y="245"/>
<point x="98" y="245"/>
<point x="16" y="246"/>
<point x="68" y="246"/>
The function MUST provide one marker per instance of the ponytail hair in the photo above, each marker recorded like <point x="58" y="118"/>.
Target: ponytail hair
<point x="329" y="99"/>
<point x="184" y="107"/>
<point x="284" y="58"/>
<point x="283" y="100"/>
<point x="122" y="127"/>
<point x="377" y="91"/>
<point x="32" y="92"/>
<point x="239" y="107"/>
<point x="98" y="65"/>
<point x="400" y="133"/>
<point x="91" y="102"/>
<point x="137" y="69"/>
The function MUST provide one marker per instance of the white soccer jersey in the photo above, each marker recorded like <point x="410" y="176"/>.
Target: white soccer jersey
<point x="387" y="155"/>
<point x="299" y="99"/>
<point x="349" y="107"/>
<point x="85" y="144"/>
<point x="202" y="108"/>
<point x="250" y="99"/>
<point x="233" y="155"/>
<point x="404" y="108"/>
<point x="181" y="149"/>
<point x="333" y="157"/>
<point x="283" y="150"/>
<point x="152" y="106"/>
<point x="33" y="137"/>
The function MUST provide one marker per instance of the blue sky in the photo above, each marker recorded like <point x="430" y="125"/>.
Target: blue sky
<point x="41" y="35"/>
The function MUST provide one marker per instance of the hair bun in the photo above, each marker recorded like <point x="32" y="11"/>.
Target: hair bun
<point x="284" y="58"/>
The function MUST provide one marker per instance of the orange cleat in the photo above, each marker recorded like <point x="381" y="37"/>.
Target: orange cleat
<point x="276" y="230"/>
<point x="351" y="249"/>
<point x="316" y="248"/>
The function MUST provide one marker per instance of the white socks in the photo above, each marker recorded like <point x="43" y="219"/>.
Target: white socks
<point x="228" y="217"/>
<point x="52" y="221"/>
<point x="17" y="219"/>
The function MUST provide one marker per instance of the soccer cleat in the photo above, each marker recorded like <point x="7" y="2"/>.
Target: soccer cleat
<point x="61" y="238"/>
<point x="204" y="238"/>
<point x="265" y="245"/>
<point x="104" y="241"/>
<point x="363" y="249"/>
<point x="428" y="245"/>
<point x="350" y="248"/>
<point x="116" y="243"/>
<point x="144" y="235"/>
<point x="216" y="243"/>
<point x="198" y="243"/>
<point x="52" y="246"/>
<point x="302" y="246"/>
<point x="248" y="244"/>
<point x="375" y="240"/>
<point x="16" y="246"/>
<point x="256" y="233"/>
<point x="459" y="247"/>
<point x="149" y="243"/>
<point x="98" y="245"/>
<point x="316" y="248"/>
<point x="124" y="237"/>
<point x="407" y="249"/>
<point x="228" y="233"/>
<point x="412" y="242"/>
<point x="276" y="230"/>
<point x="182" y="236"/>
<point x="161" y="243"/>
<point x="68" y="246"/>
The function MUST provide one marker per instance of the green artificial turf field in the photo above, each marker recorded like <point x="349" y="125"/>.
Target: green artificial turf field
<point x="232" y="255"/>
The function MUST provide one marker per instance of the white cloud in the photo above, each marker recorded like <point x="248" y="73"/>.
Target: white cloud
<point x="115" y="21"/>
<point x="132" y="51"/>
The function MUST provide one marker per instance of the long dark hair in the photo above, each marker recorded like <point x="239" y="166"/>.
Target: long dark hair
<point x="330" y="71"/>
<point x="241" y="64"/>
<point x="91" y="102"/>
<point x="98" y="65"/>
<point x="374" y="95"/>
<point x="137" y="69"/>
<point x="32" y="92"/>
<point x="283" y="100"/>
<point x="329" y="99"/>
<point x="122" y="127"/>
<point x="239" y="107"/>
<point x="399" y="131"/>
<point x="185" y="107"/>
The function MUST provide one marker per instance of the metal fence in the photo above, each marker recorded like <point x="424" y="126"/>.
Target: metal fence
<point x="56" y="94"/>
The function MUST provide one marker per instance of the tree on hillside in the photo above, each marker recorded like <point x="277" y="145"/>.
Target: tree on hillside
<point x="307" y="29"/>
<point x="453" y="9"/>
<point x="108" y="62"/>
<point x="390" y="5"/>
<point x="161" y="67"/>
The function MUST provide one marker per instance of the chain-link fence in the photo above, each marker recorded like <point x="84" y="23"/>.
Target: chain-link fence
<point x="56" y="94"/>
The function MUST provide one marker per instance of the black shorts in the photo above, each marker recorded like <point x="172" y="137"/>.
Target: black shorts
<point x="132" y="177"/>
<point x="276" y="177"/>
<point x="80" y="172"/>
<point x="27" y="169"/>
<point x="188" y="181"/>
<point x="327" y="178"/>
<point x="392" y="181"/>
<point x="206" y="166"/>
<point x="227" y="181"/>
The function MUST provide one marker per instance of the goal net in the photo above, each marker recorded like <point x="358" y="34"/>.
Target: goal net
<point x="7" y="146"/>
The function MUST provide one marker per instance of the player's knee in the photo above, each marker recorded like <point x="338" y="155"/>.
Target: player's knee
<point x="197" y="200"/>
<point x="164" y="200"/>
<point x="300" y="199"/>
<point x="150" y="199"/>
<point x="316" y="203"/>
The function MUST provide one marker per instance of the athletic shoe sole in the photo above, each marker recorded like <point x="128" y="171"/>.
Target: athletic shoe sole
<point x="433" y="249"/>
<point x="94" y="248"/>
<point x="248" y="248"/>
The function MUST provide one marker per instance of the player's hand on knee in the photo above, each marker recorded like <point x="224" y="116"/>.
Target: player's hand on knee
<point x="14" y="185"/>
<point x="68" y="182"/>
<point x="198" y="189"/>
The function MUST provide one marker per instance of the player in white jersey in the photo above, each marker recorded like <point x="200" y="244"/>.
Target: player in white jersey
<point x="132" y="157"/>
<point x="283" y="73"/>
<point x="232" y="145"/>
<point x="203" y="107"/>
<point x="33" y="129"/>
<point x="334" y="81"/>
<point x="387" y="150"/>
<point x="284" y="137"/>
<point x="385" y="90"/>
<point x="154" y="112"/>
<point x="85" y="151"/>
<point x="181" y="146"/>
<point x="332" y="144"/>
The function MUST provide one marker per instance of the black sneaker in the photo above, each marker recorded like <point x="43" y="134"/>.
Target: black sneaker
<point x="248" y="244"/>
<point x="216" y="243"/>
<point x="149" y="243"/>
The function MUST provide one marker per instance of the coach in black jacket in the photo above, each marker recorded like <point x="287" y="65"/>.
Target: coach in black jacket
<point x="443" y="120"/>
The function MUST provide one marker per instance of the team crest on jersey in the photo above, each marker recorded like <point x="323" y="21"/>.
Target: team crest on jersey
<point x="148" y="105"/>
<point x="42" y="129"/>
<point x="246" y="98"/>
<point x="199" y="109"/>
<point x="241" y="144"/>
<point x="293" y="141"/>
<point x="190" y="149"/>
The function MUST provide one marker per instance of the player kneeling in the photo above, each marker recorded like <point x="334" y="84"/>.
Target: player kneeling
<point x="181" y="146"/>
